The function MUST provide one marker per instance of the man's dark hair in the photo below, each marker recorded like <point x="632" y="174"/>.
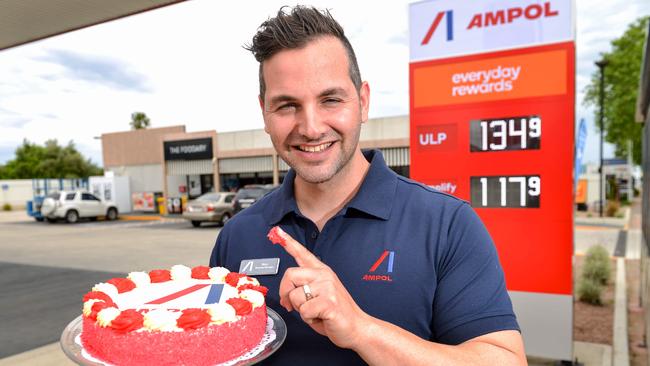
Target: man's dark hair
<point x="294" y="30"/>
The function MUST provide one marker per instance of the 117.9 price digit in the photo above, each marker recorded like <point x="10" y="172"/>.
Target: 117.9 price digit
<point x="506" y="191"/>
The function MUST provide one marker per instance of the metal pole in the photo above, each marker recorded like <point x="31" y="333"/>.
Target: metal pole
<point x="601" y="65"/>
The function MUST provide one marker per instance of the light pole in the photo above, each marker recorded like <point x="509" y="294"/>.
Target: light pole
<point x="601" y="65"/>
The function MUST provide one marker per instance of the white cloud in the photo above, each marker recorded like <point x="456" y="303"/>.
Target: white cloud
<point x="185" y="64"/>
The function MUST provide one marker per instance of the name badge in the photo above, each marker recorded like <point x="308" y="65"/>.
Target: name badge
<point x="259" y="267"/>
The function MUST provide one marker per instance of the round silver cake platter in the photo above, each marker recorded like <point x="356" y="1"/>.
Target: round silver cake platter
<point x="74" y="350"/>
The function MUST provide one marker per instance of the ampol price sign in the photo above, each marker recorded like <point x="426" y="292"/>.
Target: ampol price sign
<point x="492" y="116"/>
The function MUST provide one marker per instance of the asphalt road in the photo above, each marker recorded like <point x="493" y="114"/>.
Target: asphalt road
<point x="38" y="302"/>
<point x="46" y="268"/>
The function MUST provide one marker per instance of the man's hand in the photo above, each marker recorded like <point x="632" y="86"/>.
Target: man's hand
<point x="331" y="312"/>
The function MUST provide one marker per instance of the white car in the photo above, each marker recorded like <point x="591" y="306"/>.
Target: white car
<point x="73" y="205"/>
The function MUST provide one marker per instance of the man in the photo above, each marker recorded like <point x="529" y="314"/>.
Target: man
<point x="391" y="272"/>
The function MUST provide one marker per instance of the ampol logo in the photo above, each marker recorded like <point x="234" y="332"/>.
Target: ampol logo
<point x="436" y="22"/>
<point x="531" y="12"/>
<point x="491" y="18"/>
<point x="379" y="277"/>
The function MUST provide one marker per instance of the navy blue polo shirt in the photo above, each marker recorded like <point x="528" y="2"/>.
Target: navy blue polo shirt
<point x="408" y="254"/>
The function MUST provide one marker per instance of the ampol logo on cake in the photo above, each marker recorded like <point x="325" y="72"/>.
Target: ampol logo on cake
<point x="447" y="27"/>
<point x="174" y="295"/>
<point x="438" y="137"/>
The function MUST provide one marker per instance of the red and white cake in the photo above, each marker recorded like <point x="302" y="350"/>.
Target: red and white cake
<point x="189" y="316"/>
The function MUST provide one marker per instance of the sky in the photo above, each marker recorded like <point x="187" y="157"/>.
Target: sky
<point x="185" y="65"/>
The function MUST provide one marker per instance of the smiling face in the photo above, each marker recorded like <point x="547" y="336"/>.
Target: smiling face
<point x="312" y="110"/>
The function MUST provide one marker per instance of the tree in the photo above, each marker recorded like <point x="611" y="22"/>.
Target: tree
<point x="621" y="89"/>
<point x="139" y="121"/>
<point x="48" y="161"/>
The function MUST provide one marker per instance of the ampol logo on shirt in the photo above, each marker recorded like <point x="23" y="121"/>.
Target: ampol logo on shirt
<point x="381" y="277"/>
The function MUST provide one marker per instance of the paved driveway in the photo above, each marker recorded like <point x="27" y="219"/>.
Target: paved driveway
<point x="46" y="268"/>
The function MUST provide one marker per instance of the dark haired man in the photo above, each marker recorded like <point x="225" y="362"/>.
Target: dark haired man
<point x="439" y="298"/>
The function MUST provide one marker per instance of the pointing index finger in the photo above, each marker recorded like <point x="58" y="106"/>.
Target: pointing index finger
<point x="303" y="257"/>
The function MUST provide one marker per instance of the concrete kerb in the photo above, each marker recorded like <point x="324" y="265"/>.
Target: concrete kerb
<point x="592" y="354"/>
<point x="621" y="349"/>
<point x="48" y="355"/>
<point x="621" y="356"/>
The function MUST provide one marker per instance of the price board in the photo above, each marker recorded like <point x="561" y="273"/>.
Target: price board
<point x="492" y="123"/>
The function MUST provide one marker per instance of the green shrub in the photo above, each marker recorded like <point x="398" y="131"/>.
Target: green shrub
<point x="596" y="271"/>
<point x="612" y="208"/>
<point x="597" y="253"/>
<point x="589" y="291"/>
<point x="597" y="265"/>
<point x="6" y="207"/>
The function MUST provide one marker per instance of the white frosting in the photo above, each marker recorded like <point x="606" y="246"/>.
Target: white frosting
<point x="218" y="274"/>
<point x="228" y="292"/>
<point x="106" y="288"/>
<point x="162" y="320"/>
<point x="163" y="312"/>
<point x="88" y="305"/>
<point x="106" y="316"/>
<point x="181" y="272"/>
<point x="222" y="313"/>
<point x="255" y="297"/>
<point x="247" y="280"/>
<point x="141" y="279"/>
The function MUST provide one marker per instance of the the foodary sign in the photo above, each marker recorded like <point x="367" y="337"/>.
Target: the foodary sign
<point x="194" y="149"/>
<point x="492" y="116"/>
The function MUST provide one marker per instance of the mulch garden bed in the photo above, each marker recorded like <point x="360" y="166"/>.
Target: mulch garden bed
<point x="593" y="323"/>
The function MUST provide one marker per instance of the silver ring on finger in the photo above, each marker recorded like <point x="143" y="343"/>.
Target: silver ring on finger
<point x="307" y="291"/>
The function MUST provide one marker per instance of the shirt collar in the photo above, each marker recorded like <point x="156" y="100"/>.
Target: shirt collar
<point x="283" y="201"/>
<point x="375" y="196"/>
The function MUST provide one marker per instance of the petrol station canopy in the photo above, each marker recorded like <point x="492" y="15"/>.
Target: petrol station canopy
<point x="24" y="21"/>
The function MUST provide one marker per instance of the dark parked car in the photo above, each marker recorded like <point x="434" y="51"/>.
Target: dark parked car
<point x="210" y="207"/>
<point x="249" y="194"/>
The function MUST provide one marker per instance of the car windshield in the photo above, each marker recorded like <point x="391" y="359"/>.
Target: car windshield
<point x="55" y="195"/>
<point x="209" y="197"/>
<point x="250" y="193"/>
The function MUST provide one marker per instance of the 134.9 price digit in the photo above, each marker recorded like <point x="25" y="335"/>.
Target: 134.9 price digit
<point x="510" y="133"/>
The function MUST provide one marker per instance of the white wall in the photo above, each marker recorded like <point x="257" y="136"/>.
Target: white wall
<point x="173" y="182"/>
<point x="15" y="192"/>
<point x="250" y="139"/>
<point x="144" y="178"/>
<point x="385" y="128"/>
<point x="113" y="189"/>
